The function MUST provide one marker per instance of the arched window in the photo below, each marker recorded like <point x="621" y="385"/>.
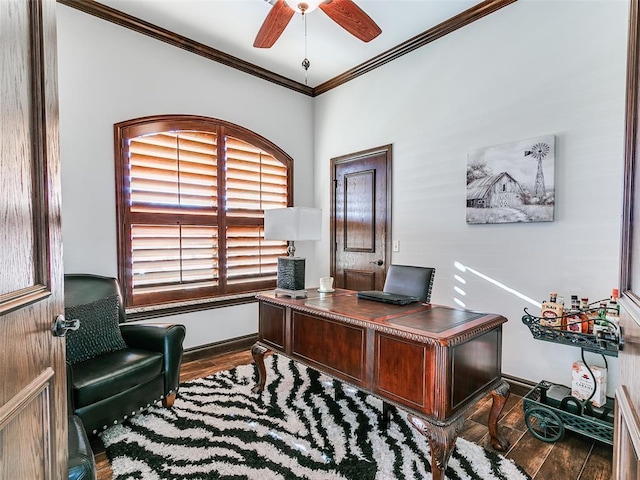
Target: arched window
<point x="191" y="194"/>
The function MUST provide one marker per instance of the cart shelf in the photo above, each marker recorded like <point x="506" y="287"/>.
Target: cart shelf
<point x="548" y="423"/>
<point x="605" y="345"/>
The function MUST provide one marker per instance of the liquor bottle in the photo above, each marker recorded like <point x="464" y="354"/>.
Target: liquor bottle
<point x="600" y="322"/>
<point x="584" y="304"/>
<point x="602" y="311"/>
<point x="613" y="308"/>
<point x="586" y="315"/>
<point x="573" y="322"/>
<point x="551" y="312"/>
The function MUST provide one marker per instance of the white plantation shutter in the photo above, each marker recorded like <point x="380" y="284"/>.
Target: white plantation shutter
<point x="180" y="238"/>
<point x="168" y="257"/>
<point x="174" y="172"/>
<point x="255" y="181"/>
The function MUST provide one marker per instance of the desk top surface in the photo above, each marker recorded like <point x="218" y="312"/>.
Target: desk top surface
<point x="435" y="321"/>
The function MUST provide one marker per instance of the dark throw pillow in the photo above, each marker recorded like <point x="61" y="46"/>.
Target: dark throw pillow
<point x="99" y="331"/>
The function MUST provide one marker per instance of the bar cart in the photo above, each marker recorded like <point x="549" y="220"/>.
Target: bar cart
<point x="549" y="408"/>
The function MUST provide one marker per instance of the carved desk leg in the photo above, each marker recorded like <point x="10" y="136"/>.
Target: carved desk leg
<point x="500" y="395"/>
<point x="258" y="351"/>
<point x="442" y="440"/>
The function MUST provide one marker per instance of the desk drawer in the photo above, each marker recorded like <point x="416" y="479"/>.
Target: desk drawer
<point x="331" y="346"/>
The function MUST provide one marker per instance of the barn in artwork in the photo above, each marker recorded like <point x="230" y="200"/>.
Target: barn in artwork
<point x="495" y="191"/>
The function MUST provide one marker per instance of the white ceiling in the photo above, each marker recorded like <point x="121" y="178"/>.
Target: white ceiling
<point x="231" y="26"/>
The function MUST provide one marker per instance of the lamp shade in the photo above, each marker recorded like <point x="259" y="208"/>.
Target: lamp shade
<point x="293" y="223"/>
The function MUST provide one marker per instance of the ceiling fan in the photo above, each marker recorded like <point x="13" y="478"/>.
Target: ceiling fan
<point x="344" y="12"/>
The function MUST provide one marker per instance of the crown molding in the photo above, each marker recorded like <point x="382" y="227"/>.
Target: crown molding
<point x="454" y="23"/>
<point x="158" y="33"/>
<point x="112" y="15"/>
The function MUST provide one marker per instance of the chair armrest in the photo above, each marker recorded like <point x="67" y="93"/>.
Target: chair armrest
<point x="156" y="337"/>
<point x="165" y="338"/>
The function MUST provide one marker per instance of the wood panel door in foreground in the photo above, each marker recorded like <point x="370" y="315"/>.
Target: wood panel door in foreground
<point x="361" y="219"/>
<point x="33" y="417"/>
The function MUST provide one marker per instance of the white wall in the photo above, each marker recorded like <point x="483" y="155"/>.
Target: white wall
<point x="108" y="74"/>
<point x="533" y="68"/>
<point x="530" y="69"/>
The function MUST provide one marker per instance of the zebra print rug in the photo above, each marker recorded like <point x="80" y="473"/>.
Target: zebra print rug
<point x="303" y="426"/>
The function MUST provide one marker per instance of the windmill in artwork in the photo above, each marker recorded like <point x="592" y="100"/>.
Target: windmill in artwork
<point x="539" y="151"/>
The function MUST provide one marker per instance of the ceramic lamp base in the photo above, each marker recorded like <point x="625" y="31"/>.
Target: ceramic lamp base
<point x="291" y="273"/>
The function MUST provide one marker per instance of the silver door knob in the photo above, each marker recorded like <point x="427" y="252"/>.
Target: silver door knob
<point x="61" y="326"/>
<point x="377" y="262"/>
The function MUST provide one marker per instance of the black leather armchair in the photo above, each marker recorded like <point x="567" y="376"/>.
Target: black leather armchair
<point x="113" y="385"/>
<point x="82" y="464"/>
<point x="410" y="280"/>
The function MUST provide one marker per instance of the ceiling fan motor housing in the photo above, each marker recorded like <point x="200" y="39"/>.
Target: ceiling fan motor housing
<point x="303" y="7"/>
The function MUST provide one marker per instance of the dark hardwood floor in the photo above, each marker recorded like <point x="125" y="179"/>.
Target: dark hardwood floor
<point x="575" y="457"/>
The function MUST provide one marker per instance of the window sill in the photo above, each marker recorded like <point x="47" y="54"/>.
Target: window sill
<point x="167" y="309"/>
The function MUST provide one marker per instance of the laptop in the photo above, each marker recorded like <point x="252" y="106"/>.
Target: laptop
<point x="385" y="297"/>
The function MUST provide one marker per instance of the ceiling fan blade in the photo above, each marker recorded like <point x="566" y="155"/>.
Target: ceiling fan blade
<point x="352" y="18"/>
<point x="273" y="26"/>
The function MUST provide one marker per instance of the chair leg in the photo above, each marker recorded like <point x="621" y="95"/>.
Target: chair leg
<point x="167" y="401"/>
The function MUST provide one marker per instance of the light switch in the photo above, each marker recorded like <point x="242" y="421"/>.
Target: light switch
<point x="396" y="246"/>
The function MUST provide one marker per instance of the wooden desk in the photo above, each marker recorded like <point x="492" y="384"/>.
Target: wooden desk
<point x="433" y="361"/>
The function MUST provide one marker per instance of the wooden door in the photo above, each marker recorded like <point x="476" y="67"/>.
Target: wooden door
<point x="33" y="421"/>
<point x="626" y="439"/>
<point x="361" y="219"/>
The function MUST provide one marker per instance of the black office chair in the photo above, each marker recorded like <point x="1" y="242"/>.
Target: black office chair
<point x="410" y="280"/>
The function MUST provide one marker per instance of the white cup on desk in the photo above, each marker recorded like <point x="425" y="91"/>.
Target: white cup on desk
<point x="326" y="284"/>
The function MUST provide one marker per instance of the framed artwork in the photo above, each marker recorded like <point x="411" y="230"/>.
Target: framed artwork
<point x="512" y="182"/>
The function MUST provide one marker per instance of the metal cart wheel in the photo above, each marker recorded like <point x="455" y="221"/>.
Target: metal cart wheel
<point x="544" y="424"/>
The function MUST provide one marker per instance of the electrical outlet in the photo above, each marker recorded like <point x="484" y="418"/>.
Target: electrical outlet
<point x="396" y="246"/>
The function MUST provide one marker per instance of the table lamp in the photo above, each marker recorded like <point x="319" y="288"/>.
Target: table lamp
<point x="292" y="224"/>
